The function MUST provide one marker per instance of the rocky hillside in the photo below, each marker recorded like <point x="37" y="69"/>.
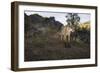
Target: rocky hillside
<point x="36" y="23"/>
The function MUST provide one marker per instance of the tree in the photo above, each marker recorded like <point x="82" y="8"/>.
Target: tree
<point x="73" y="19"/>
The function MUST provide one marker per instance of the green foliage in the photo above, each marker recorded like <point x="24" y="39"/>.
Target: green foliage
<point x="73" y="19"/>
<point x="84" y="35"/>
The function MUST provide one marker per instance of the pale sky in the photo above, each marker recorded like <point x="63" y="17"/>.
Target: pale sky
<point x="60" y="16"/>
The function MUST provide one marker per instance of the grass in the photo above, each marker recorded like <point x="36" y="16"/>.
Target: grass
<point x="47" y="47"/>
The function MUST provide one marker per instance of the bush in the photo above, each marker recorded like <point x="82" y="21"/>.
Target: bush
<point x="84" y="35"/>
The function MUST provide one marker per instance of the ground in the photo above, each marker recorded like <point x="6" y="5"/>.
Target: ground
<point x="51" y="48"/>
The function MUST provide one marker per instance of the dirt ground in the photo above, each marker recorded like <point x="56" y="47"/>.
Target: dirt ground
<point x="54" y="49"/>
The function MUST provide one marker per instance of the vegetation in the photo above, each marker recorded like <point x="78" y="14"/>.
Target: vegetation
<point x="82" y="31"/>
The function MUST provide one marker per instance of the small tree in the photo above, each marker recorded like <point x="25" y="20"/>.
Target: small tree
<point x="73" y="20"/>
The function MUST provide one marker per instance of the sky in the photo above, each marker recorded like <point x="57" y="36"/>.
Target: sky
<point x="60" y="16"/>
